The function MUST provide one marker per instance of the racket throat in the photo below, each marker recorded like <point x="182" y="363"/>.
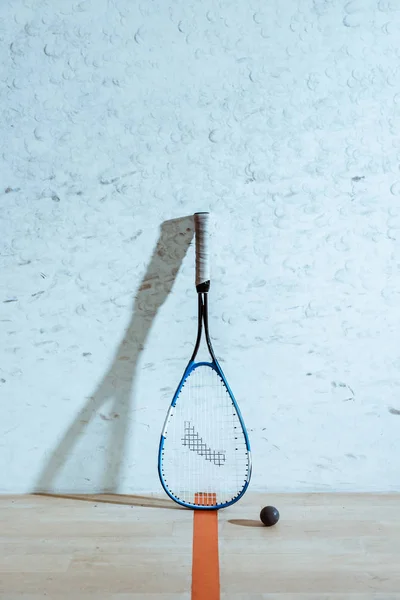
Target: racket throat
<point x="203" y="321"/>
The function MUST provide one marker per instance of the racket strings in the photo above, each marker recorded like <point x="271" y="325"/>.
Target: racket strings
<point x="205" y="449"/>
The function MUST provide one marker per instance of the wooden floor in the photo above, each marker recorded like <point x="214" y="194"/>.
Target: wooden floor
<point x="325" y="547"/>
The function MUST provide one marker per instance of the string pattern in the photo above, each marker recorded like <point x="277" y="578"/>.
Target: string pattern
<point x="195" y="443"/>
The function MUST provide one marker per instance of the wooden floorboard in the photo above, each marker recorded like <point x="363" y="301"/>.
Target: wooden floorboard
<point x="325" y="547"/>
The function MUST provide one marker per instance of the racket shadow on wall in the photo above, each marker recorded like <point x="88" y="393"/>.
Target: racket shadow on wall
<point x="114" y="393"/>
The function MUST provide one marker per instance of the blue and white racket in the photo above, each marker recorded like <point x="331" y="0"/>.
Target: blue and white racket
<point x="204" y="459"/>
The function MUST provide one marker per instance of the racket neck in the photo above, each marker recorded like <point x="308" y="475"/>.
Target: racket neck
<point x="207" y="334"/>
<point x="203" y="319"/>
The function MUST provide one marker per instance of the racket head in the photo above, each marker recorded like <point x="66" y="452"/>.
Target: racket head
<point x="204" y="459"/>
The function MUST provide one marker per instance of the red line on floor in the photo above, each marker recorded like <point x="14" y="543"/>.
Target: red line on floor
<point x="205" y="561"/>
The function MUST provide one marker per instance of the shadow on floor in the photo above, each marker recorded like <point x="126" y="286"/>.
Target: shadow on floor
<point x="245" y="522"/>
<point x="146" y="501"/>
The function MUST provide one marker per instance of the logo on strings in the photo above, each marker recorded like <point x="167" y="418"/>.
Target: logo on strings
<point x="194" y="442"/>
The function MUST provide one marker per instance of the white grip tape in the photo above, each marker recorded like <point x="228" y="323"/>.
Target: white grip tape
<point x="201" y="223"/>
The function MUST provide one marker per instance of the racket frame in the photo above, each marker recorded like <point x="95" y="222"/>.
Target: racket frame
<point x="202" y="291"/>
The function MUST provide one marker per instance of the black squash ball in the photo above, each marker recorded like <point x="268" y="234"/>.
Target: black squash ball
<point x="269" y="515"/>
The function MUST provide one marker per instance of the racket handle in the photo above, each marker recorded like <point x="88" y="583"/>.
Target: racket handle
<point x="201" y="223"/>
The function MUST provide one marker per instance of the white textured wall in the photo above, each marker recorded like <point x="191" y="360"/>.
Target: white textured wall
<point x="283" y="119"/>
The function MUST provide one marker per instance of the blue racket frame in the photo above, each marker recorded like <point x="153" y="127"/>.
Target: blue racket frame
<point x="192" y="365"/>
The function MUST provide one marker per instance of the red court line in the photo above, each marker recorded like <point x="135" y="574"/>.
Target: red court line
<point x="205" y="560"/>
